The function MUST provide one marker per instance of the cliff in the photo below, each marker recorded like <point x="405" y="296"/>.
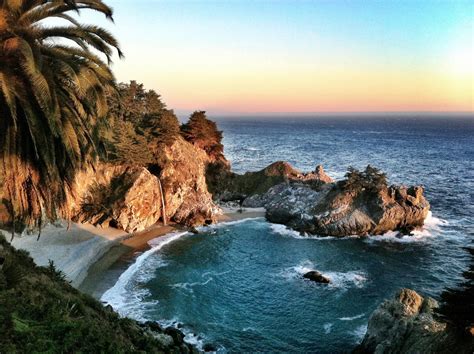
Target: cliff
<point x="130" y="197"/>
<point x="408" y="324"/>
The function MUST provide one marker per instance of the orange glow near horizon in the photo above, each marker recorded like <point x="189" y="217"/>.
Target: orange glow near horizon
<point x="316" y="56"/>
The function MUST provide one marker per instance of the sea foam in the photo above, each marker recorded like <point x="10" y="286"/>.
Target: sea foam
<point x="431" y="228"/>
<point x="127" y="301"/>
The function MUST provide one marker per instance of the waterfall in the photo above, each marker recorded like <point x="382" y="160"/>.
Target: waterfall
<point x="163" y="207"/>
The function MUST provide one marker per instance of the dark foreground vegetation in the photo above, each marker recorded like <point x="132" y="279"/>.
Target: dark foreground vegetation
<point x="41" y="312"/>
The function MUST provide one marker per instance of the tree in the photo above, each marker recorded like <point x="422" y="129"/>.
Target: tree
<point x="127" y="147"/>
<point x="52" y="95"/>
<point x="134" y="102"/>
<point x="371" y="179"/>
<point x="160" y="128"/>
<point x="204" y="134"/>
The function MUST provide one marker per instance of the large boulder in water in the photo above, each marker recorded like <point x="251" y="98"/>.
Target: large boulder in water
<point x="317" y="277"/>
<point x="407" y="324"/>
<point x="367" y="207"/>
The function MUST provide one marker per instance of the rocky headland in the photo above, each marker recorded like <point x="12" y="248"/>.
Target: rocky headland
<point x="362" y="204"/>
<point x="408" y="324"/>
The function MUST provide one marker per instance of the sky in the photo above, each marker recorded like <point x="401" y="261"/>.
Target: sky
<point x="238" y="57"/>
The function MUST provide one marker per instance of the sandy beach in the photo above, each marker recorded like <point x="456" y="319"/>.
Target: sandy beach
<point x="85" y="252"/>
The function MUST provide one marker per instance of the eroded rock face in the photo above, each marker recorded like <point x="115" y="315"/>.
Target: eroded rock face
<point x="406" y="324"/>
<point x="124" y="197"/>
<point x="129" y="197"/>
<point x="184" y="184"/>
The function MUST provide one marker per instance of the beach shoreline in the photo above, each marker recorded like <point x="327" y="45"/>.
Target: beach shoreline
<point x="84" y="253"/>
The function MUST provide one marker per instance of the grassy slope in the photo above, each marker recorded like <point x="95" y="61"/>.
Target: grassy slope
<point x="40" y="312"/>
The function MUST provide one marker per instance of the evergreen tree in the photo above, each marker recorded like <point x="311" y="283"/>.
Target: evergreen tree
<point x="160" y="128"/>
<point x="371" y="179"/>
<point x="134" y="102"/>
<point x="203" y="133"/>
<point x="128" y="147"/>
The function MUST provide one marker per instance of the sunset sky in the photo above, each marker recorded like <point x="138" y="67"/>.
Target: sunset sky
<point x="299" y="56"/>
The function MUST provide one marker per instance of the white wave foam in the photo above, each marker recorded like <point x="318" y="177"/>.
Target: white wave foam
<point x="189" y="286"/>
<point x="351" y="318"/>
<point x="124" y="300"/>
<point x="285" y="231"/>
<point x="215" y="274"/>
<point x="359" y="332"/>
<point x="327" y="328"/>
<point x="432" y="222"/>
<point x="189" y="337"/>
<point x="339" y="280"/>
<point x="345" y="280"/>
<point x="209" y="275"/>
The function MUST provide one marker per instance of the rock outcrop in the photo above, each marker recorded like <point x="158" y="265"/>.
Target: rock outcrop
<point x="313" y="203"/>
<point x="407" y="324"/>
<point x="130" y="197"/>
<point x="334" y="210"/>
<point x="183" y="175"/>
<point x="229" y="186"/>
<point x="124" y="197"/>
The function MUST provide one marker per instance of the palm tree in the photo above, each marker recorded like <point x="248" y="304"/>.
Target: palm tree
<point x="53" y="85"/>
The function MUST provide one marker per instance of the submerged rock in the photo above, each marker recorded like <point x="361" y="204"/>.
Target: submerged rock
<point x="317" y="277"/>
<point x="208" y="347"/>
<point x="406" y="324"/>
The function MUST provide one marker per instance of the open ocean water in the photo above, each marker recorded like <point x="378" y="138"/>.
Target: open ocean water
<point x="239" y="286"/>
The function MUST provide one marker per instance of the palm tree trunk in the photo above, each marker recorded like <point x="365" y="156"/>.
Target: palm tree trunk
<point x="163" y="207"/>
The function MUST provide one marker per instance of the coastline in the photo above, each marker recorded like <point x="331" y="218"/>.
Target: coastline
<point x="85" y="253"/>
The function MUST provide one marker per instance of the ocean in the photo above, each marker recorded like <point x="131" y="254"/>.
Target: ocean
<point x="239" y="285"/>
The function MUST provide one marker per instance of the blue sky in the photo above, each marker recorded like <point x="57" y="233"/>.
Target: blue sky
<point x="265" y="56"/>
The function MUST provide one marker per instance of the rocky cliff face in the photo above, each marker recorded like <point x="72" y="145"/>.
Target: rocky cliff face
<point x="335" y="211"/>
<point x="183" y="176"/>
<point x="130" y="197"/>
<point x="406" y="324"/>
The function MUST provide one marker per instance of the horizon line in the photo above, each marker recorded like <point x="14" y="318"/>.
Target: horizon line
<point x="327" y="113"/>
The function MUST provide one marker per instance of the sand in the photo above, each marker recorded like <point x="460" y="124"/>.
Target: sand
<point x="84" y="252"/>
